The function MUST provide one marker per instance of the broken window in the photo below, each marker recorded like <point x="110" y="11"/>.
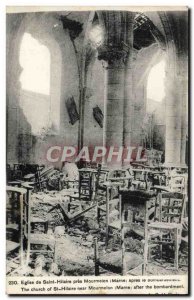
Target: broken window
<point x="35" y="83"/>
<point x="35" y="61"/>
<point x="155" y="83"/>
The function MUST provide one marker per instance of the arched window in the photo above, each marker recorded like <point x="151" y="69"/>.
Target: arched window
<point x="155" y="83"/>
<point x="154" y="123"/>
<point x="35" y="60"/>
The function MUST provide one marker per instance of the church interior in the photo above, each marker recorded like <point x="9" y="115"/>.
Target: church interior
<point x="106" y="80"/>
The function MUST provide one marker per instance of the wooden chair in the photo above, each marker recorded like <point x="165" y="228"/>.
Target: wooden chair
<point x="100" y="187"/>
<point x="140" y="179"/>
<point x="19" y="219"/>
<point x="17" y="171"/>
<point x="14" y="220"/>
<point x="178" y="183"/>
<point x="157" y="178"/>
<point x="120" y="175"/>
<point x="132" y="204"/>
<point x="42" y="243"/>
<point x="86" y="184"/>
<point x="167" y="229"/>
<point x="34" y="241"/>
<point x="111" y="210"/>
<point x="26" y="218"/>
<point x="34" y="174"/>
<point x="135" y="207"/>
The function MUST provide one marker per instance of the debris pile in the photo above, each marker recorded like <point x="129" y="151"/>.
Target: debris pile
<point x="63" y="227"/>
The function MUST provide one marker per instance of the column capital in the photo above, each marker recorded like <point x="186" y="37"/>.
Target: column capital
<point x="118" y="33"/>
<point x="114" y="56"/>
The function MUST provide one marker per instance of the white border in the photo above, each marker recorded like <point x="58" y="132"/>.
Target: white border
<point x="3" y="4"/>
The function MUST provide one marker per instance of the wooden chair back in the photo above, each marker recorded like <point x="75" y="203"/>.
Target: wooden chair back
<point x="171" y="207"/>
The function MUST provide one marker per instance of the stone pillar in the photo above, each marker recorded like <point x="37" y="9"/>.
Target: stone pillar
<point x="176" y="113"/>
<point x="113" y="107"/>
<point x="138" y="111"/>
<point x="113" y="104"/>
<point x="114" y="52"/>
<point x="128" y="92"/>
<point x="13" y="71"/>
<point x="177" y="90"/>
<point x="173" y="120"/>
<point x="184" y="123"/>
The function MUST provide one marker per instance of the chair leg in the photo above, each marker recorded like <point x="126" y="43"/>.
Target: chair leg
<point x="28" y="251"/>
<point x="96" y="258"/>
<point x="107" y="215"/>
<point x="149" y="253"/>
<point x="176" y="249"/>
<point x="146" y="239"/>
<point x="98" y="215"/>
<point x="160" y="246"/>
<point x="146" y="253"/>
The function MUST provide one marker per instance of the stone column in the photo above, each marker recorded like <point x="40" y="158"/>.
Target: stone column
<point x="113" y="104"/>
<point x="177" y="90"/>
<point x="13" y="71"/>
<point x="176" y="113"/>
<point x="114" y="52"/>
<point x="184" y="123"/>
<point x="113" y="107"/>
<point x="173" y="120"/>
<point x="128" y="92"/>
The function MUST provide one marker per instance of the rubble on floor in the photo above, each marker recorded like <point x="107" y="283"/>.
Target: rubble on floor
<point x="73" y="241"/>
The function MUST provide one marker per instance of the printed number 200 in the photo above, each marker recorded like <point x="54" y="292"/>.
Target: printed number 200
<point x="12" y="282"/>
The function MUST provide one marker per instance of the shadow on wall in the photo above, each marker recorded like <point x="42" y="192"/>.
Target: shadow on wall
<point x="19" y="136"/>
